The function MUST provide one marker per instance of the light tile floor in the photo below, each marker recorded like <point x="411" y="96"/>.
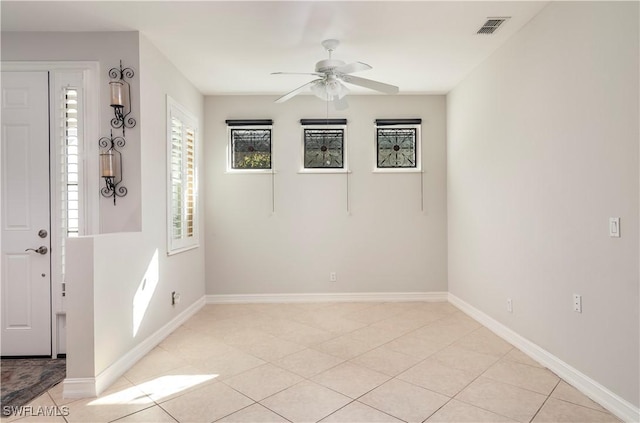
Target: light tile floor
<point x="336" y="362"/>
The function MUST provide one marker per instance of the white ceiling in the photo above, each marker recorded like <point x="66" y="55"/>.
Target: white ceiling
<point x="232" y="47"/>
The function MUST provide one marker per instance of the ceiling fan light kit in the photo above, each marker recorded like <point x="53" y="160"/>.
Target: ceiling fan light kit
<point x="331" y="75"/>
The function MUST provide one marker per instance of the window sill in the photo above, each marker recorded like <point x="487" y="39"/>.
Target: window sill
<point x="182" y="249"/>
<point x="250" y="171"/>
<point x="320" y="171"/>
<point x="397" y="170"/>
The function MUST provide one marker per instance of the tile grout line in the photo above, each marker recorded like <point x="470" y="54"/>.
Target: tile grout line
<point x="544" y="402"/>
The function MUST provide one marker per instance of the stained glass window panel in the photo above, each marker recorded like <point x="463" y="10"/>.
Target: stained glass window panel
<point x="396" y="148"/>
<point x="251" y="148"/>
<point x="324" y="148"/>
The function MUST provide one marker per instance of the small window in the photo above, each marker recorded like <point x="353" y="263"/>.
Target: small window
<point x="324" y="145"/>
<point x="398" y="145"/>
<point x="183" y="191"/>
<point x="250" y="145"/>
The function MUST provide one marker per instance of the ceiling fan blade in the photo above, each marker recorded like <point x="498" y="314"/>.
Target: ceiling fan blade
<point x="353" y="67"/>
<point x="296" y="91"/>
<point x="340" y="103"/>
<point x="368" y="83"/>
<point x="297" y="73"/>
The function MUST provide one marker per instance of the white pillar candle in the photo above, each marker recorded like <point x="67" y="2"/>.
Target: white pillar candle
<point x="117" y="96"/>
<point x="107" y="168"/>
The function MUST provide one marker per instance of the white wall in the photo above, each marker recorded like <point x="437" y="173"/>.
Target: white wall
<point x="385" y="244"/>
<point x="128" y="277"/>
<point x="107" y="48"/>
<point x="542" y="150"/>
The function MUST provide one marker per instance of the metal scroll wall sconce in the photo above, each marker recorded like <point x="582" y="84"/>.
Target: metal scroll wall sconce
<point x="111" y="167"/>
<point x="110" y="155"/>
<point x="121" y="97"/>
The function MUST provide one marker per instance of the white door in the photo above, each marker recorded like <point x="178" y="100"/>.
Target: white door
<point x="26" y="263"/>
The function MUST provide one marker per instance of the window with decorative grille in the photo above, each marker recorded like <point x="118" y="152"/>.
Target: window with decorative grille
<point x="183" y="207"/>
<point x="250" y="145"/>
<point x="398" y="145"/>
<point x="324" y="145"/>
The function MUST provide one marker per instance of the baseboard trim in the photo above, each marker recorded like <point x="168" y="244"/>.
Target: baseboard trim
<point x="327" y="297"/>
<point x="612" y="402"/>
<point x="79" y="387"/>
<point x="91" y="387"/>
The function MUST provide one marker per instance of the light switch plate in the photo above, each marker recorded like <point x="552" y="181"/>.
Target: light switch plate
<point x="614" y="227"/>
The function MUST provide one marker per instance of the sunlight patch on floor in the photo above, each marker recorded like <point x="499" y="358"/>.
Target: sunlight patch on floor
<point x="156" y="389"/>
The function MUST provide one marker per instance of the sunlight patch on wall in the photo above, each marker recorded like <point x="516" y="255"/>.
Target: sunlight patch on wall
<point x="145" y="291"/>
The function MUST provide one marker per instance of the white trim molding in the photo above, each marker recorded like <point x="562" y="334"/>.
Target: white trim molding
<point x="92" y="387"/>
<point x="594" y="390"/>
<point x="327" y="297"/>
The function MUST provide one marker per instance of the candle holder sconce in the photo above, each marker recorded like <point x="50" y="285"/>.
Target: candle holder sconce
<point x="111" y="167"/>
<point x="121" y="97"/>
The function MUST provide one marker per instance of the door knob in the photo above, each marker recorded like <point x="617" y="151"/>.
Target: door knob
<point x="40" y="250"/>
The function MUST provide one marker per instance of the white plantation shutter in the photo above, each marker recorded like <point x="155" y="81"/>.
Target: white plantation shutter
<point x="182" y="193"/>
<point x="69" y="169"/>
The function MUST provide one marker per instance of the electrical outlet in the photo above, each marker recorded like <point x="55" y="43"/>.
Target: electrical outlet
<point x="614" y="227"/>
<point x="509" y="305"/>
<point x="333" y="277"/>
<point x="577" y="303"/>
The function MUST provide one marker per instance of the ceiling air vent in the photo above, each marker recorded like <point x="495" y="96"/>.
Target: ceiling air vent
<point x="491" y="25"/>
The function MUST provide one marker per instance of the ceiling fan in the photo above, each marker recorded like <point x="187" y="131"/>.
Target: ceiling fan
<point x="331" y="73"/>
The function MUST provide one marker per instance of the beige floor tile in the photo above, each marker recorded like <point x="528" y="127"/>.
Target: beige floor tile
<point x="520" y="357"/>
<point x="281" y="311"/>
<point x="433" y="375"/>
<point x="345" y="347"/>
<point x="484" y="341"/>
<point x="308" y="363"/>
<point x="206" y="404"/>
<point x="404" y="401"/>
<point x="374" y="335"/>
<point x="357" y="412"/>
<point x="501" y="398"/>
<point x="156" y="362"/>
<point x="245" y="337"/>
<point x="197" y="347"/>
<point x="449" y="329"/>
<point x="463" y="359"/>
<point x="558" y="411"/>
<point x="56" y="394"/>
<point x="253" y="414"/>
<point x="524" y="376"/>
<point x="416" y="346"/>
<point x="568" y="393"/>
<point x="225" y="311"/>
<point x="41" y="409"/>
<point x="114" y="403"/>
<point x="280" y="326"/>
<point x="176" y="382"/>
<point x="402" y="323"/>
<point x="386" y="360"/>
<point x="228" y="365"/>
<point x="308" y="336"/>
<point x="305" y="402"/>
<point x="273" y="349"/>
<point x="339" y="325"/>
<point x="350" y="379"/>
<point x="458" y="412"/>
<point x="443" y="334"/>
<point x="341" y="309"/>
<point x="153" y="414"/>
<point x="263" y="381"/>
<point x="374" y="313"/>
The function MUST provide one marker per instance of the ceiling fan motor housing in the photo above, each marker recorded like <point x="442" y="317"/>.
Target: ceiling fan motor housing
<point x="328" y="64"/>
